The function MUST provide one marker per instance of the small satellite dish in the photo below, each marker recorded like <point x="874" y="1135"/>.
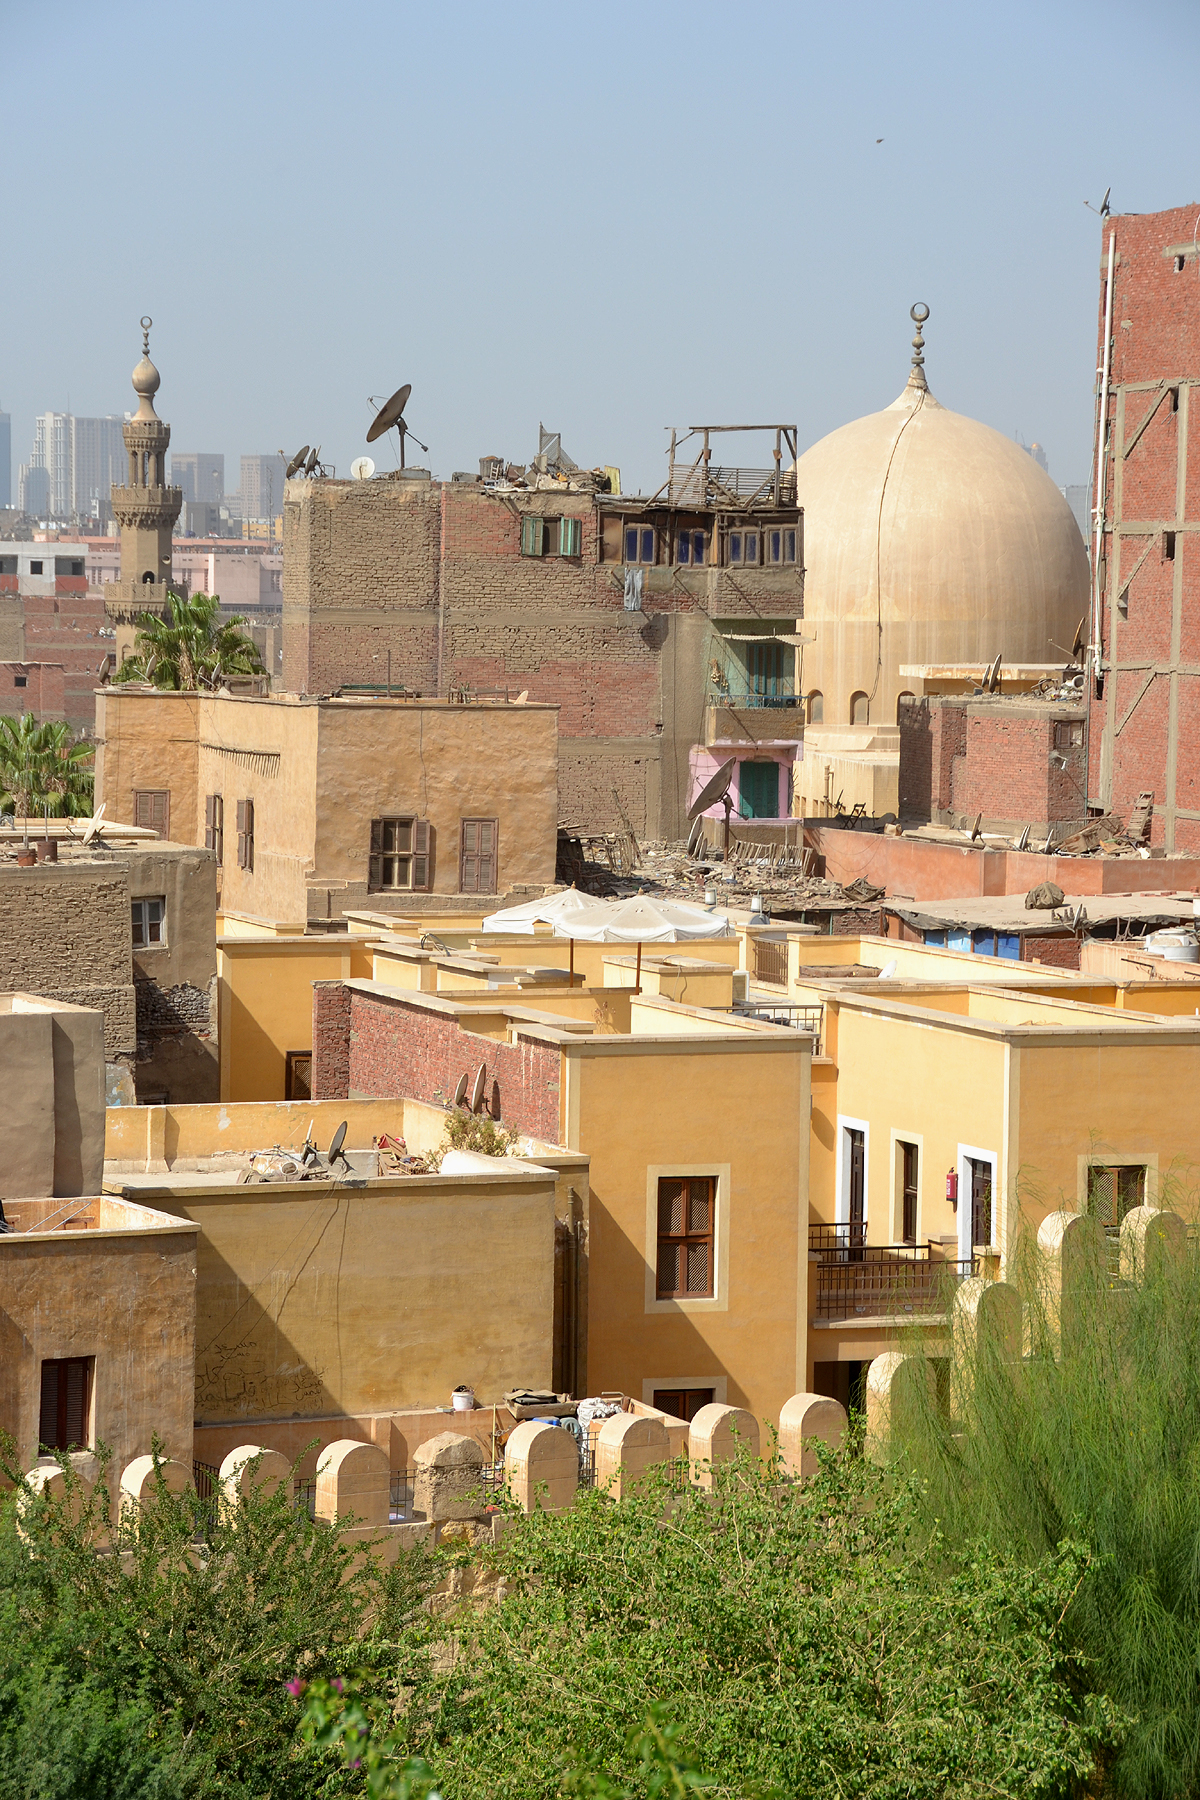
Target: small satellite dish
<point x="1022" y="842"/>
<point x="297" y="463"/>
<point x="477" y="1090"/>
<point x="460" y="1092"/>
<point x="975" y="829"/>
<point x="889" y="969"/>
<point x="362" y="468"/>
<point x="93" y="824"/>
<point x="336" y="1153"/>
<point x="390" y="413"/>
<point x="713" y="791"/>
<point x="314" y="457"/>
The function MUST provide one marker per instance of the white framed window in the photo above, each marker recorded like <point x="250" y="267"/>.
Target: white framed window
<point x="978" y="1200"/>
<point x="853" y="1168"/>
<point x="150" y="923"/>
<point x="702" y="1253"/>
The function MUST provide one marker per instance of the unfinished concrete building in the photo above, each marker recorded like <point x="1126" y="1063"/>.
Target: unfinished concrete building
<point x="663" y="626"/>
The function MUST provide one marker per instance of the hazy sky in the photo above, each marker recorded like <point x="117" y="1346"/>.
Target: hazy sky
<point x="611" y="218"/>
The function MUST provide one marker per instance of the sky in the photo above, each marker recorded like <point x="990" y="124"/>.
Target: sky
<point x="609" y="219"/>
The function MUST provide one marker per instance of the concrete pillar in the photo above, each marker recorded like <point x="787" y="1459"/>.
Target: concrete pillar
<point x="140" y="1485"/>
<point x="806" y="1417"/>
<point x="719" y="1434"/>
<point x="627" y="1445"/>
<point x="541" y="1463"/>
<point x="1073" y="1273"/>
<point x="899" y="1388"/>
<point x="985" y="1320"/>
<point x="448" y="1478"/>
<point x="251" y="1469"/>
<point x="353" y="1477"/>
<point x="1151" y="1241"/>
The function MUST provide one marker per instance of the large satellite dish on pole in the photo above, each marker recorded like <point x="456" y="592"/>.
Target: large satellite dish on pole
<point x="716" y="792"/>
<point x="391" y="416"/>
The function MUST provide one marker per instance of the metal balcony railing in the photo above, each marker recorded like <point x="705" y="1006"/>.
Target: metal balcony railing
<point x="786" y="1012"/>
<point x="854" y="1279"/>
<point x="777" y="691"/>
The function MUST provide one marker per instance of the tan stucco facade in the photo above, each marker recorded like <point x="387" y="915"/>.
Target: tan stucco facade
<point x="319" y="771"/>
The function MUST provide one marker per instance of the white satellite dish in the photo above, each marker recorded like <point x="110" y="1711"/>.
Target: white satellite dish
<point x="362" y="468"/>
<point x="888" y="970"/>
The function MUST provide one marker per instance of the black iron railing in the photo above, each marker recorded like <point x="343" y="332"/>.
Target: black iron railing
<point x="852" y="1278"/>
<point x="784" y="1012"/>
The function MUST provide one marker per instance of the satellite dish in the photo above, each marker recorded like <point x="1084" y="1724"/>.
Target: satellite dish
<point x="889" y="969"/>
<point x="336" y="1153"/>
<point x="390" y="413"/>
<point x="314" y="457"/>
<point x="975" y="829"/>
<point x="362" y="468"/>
<point x="297" y="463"/>
<point x="713" y="791"/>
<point x="477" y="1090"/>
<point x="460" y="1092"/>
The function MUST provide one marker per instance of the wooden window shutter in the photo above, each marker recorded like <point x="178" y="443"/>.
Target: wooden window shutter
<point x="375" y="859"/>
<point x="570" y="537"/>
<point x="533" y="535"/>
<point x="487" y="852"/>
<point x="422" y="862"/>
<point x="477" y="857"/>
<point x="245" y="829"/>
<point x="152" y="808"/>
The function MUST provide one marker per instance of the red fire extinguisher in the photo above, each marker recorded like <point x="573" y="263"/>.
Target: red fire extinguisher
<point x="952" y="1186"/>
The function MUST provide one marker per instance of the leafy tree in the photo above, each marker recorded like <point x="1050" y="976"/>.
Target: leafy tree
<point x="809" y="1641"/>
<point x="1100" y="1441"/>
<point x="192" y="647"/>
<point x="165" y="1664"/>
<point x="44" y="767"/>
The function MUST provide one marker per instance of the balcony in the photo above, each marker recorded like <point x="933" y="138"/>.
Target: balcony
<point x="851" y="1279"/>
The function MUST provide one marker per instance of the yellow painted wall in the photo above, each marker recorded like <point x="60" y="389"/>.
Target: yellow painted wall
<point x="704" y="1108"/>
<point x="942" y="1087"/>
<point x="146" y="1137"/>
<point x="312" y="1301"/>
<point x="1118" y="1102"/>
<point x="264" y="988"/>
<point x="265" y="751"/>
<point x="148" y="740"/>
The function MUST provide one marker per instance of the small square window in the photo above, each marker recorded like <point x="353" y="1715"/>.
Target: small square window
<point x="400" y="854"/>
<point x="20" y="681"/>
<point x="1068" y="734"/>
<point x="149" y="922"/>
<point x="35" y="568"/>
<point x="1168" y="546"/>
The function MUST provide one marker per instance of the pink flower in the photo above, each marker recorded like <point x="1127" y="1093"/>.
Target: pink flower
<point x="336" y="1685"/>
<point x="295" y="1686"/>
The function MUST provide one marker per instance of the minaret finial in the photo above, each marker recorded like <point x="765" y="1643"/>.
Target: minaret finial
<point x="147" y="322"/>
<point x="918" y="314"/>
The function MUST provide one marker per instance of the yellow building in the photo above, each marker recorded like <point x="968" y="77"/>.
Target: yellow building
<point x="695" y="1125"/>
<point x="317" y="805"/>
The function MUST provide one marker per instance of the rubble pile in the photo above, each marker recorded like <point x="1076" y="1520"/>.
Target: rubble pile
<point x="784" y="882"/>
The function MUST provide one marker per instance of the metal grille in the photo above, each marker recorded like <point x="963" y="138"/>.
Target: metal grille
<point x="770" y="961"/>
<point x="883" y="1280"/>
<point x="306" y="1496"/>
<point x="206" y="1479"/>
<point x="784" y="1012"/>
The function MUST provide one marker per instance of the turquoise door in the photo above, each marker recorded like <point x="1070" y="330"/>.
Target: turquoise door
<point x="758" y="786"/>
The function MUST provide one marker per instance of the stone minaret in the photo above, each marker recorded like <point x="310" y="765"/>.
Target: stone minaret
<point x="146" y="510"/>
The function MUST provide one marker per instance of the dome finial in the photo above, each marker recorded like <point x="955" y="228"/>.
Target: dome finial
<point x="146" y="378"/>
<point x="918" y="314"/>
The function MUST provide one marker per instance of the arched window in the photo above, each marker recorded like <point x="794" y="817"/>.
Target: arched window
<point x="903" y="700"/>
<point x="148" y="577"/>
<point x="858" y="709"/>
<point x="816" y="707"/>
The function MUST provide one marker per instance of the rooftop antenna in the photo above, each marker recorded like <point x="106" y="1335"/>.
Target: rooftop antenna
<point x="1102" y="211"/>
<point x="314" y="460"/>
<point x="390" y="414"/>
<point x="714" y="792"/>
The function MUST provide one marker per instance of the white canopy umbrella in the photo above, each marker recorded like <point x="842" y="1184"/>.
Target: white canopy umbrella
<point x="642" y="919"/>
<point x="567" y="903"/>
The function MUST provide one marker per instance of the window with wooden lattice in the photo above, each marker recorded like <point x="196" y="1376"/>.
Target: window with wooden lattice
<point x="401" y="855"/>
<point x="65" y="1403"/>
<point x="1114" y="1190"/>
<point x="687" y="1207"/>
<point x="245" y="834"/>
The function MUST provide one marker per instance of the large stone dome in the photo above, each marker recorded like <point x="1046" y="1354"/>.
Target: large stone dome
<point x="929" y="539"/>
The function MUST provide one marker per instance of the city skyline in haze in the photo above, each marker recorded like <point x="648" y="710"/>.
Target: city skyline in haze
<point x="609" y="223"/>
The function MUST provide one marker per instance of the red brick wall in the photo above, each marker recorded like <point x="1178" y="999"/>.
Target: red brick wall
<point x="997" y="760"/>
<point x="385" y="1046"/>
<point x="331" y="1041"/>
<point x="1146" y="715"/>
<point x="41" y="695"/>
<point x="1057" y="952"/>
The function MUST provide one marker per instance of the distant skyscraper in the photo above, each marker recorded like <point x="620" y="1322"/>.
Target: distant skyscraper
<point x="262" y="486"/>
<point x="5" y="459"/>
<point x="199" y="475"/>
<point x="1079" y="499"/>
<point x="33" y="491"/>
<point x="82" y="458"/>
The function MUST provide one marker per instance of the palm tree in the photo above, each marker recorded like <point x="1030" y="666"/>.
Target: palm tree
<point x="44" y="768"/>
<point x="192" y="647"/>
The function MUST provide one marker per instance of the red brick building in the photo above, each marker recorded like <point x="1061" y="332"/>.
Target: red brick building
<point x="1145" y="625"/>
<point x="630" y="613"/>
<point x="48" y="615"/>
<point x="1018" y="762"/>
